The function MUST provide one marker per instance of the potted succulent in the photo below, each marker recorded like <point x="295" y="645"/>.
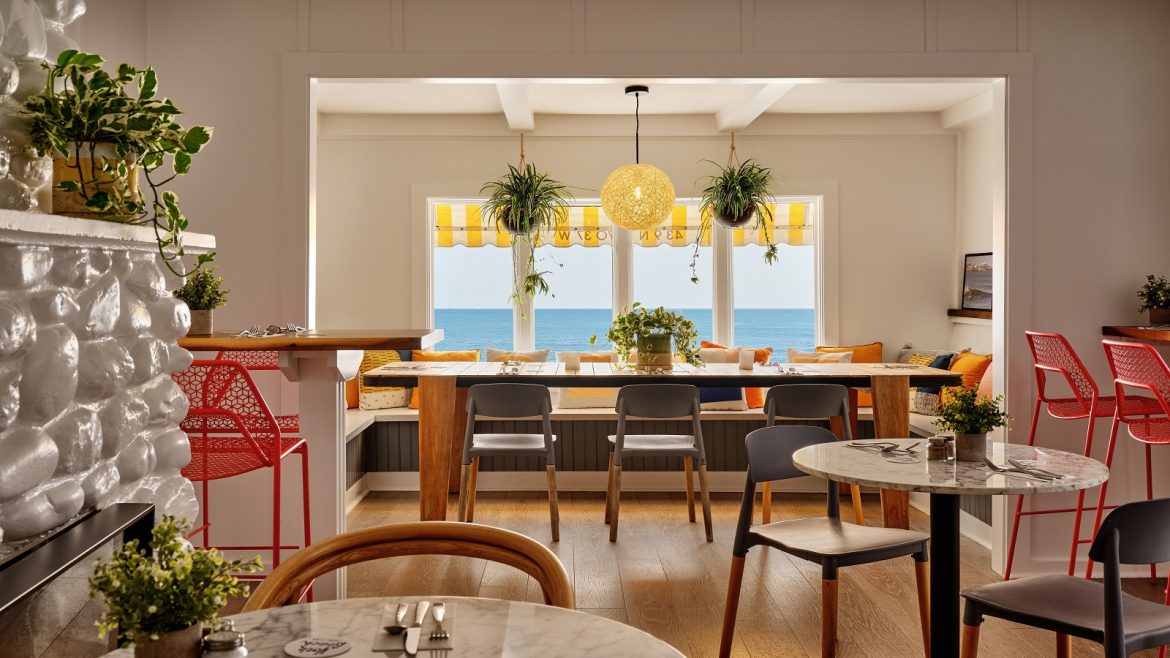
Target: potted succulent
<point x="159" y="602"/>
<point x="525" y="202"/>
<point x="735" y="197"/>
<point x="1155" y="296"/>
<point x="203" y="292"/>
<point x="970" y="417"/>
<point x="107" y="132"/>
<point x="651" y="333"/>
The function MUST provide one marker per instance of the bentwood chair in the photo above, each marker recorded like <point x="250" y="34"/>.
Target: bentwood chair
<point x="502" y="402"/>
<point x="287" y="582"/>
<point x="658" y="401"/>
<point x="232" y="432"/>
<point x="1054" y="357"/>
<point x="807" y="402"/>
<point x="1135" y="533"/>
<point x="829" y="541"/>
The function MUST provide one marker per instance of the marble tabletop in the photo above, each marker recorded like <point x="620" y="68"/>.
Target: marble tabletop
<point x="480" y="628"/>
<point x="843" y="463"/>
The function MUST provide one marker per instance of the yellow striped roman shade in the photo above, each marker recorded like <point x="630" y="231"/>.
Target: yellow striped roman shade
<point x="587" y="225"/>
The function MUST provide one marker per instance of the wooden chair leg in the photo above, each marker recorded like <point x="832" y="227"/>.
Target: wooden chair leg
<point x="969" y="646"/>
<point x="615" y="499"/>
<point x="608" y="485"/>
<point x="554" y="509"/>
<point x="731" y="606"/>
<point x="766" y="503"/>
<point x="858" y="510"/>
<point x="464" y="486"/>
<point x="688" y="467"/>
<point x="473" y="487"/>
<point x="705" y="494"/>
<point x="828" y="617"/>
<point x="922" y="579"/>
<point x="1063" y="645"/>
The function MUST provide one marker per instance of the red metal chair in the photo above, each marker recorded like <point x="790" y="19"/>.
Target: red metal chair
<point x="263" y="360"/>
<point x="232" y="431"/>
<point x="1052" y="354"/>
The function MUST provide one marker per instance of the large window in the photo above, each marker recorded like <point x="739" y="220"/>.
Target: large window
<point x="471" y="293"/>
<point x="774" y="304"/>
<point x="662" y="277"/>
<point x="579" y="305"/>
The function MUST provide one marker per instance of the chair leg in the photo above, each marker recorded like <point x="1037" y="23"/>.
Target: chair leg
<point x="464" y="488"/>
<point x="276" y="480"/>
<point x="206" y="510"/>
<point x="922" y="580"/>
<point x="858" y="510"/>
<point x="766" y="503"/>
<point x="1150" y="496"/>
<point x="731" y="607"/>
<point x="615" y="499"/>
<point x="1104" y="488"/>
<point x="828" y="617"/>
<point x="688" y="467"/>
<point x="553" y="506"/>
<point x="1063" y="645"/>
<point x="706" y="496"/>
<point x="608" y="485"/>
<point x="969" y="647"/>
<point x="473" y="487"/>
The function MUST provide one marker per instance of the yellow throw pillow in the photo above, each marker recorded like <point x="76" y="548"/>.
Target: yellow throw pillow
<point x="535" y="356"/>
<point x="450" y="355"/>
<point x="868" y="353"/>
<point x="796" y="356"/>
<point x="586" y="397"/>
<point x="379" y="397"/>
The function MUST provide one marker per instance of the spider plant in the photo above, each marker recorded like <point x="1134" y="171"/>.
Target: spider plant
<point x="734" y="197"/>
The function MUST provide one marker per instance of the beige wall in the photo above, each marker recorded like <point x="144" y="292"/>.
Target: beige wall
<point x="1095" y="156"/>
<point x="975" y="166"/>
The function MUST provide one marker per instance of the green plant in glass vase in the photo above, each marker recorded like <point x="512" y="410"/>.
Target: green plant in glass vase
<point x="105" y="131"/>
<point x="733" y="198"/>
<point x="637" y="327"/>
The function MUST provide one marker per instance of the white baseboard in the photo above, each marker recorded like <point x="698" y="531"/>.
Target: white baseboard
<point x="969" y="526"/>
<point x="718" y="481"/>
<point x="356" y="493"/>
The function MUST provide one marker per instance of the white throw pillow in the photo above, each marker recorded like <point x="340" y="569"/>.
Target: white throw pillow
<point x="796" y="356"/>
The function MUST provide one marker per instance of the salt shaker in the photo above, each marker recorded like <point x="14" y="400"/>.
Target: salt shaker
<point x="226" y="642"/>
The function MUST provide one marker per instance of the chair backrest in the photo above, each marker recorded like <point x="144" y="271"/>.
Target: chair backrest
<point x="658" y="400"/>
<point x="1051" y="352"/>
<point x="224" y="388"/>
<point x="809" y="401"/>
<point x="252" y="359"/>
<point x="288" y="581"/>
<point x="508" y="400"/>
<point x="1140" y="366"/>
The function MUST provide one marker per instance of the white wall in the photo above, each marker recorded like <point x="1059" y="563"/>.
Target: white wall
<point x="975" y="166"/>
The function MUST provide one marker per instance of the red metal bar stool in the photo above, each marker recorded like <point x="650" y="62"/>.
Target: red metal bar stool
<point x="1052" y="354"/>
<point x="263" y="360"/>
<point x="1139" y="366"/>
<point x="232" y="432"/>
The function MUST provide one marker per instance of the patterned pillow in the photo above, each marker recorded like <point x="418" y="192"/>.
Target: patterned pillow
<point x="380" y="397"/>
<point x="925" y="399"/>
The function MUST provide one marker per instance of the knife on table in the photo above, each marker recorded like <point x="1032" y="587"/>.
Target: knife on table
<point x="415" y="631"/>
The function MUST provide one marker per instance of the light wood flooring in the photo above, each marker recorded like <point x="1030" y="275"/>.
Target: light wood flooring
<point x="661" y="577"/>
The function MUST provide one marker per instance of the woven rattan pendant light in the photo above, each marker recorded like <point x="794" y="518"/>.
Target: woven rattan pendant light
<point x="637" y="196"/>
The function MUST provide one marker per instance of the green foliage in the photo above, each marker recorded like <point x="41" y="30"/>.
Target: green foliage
<point x="83" y="106"/>
<point x="177" y="587"/>
<point x="203" y="291"/>
<point x="733" y="192"/>
<point x="637" y="322"/>
<point x="1155" y="294"/>
<point x="962" y="411"/>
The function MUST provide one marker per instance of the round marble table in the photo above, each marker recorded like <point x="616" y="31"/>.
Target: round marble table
<point x="480" y="628"/>
<point x="945" y="482"/>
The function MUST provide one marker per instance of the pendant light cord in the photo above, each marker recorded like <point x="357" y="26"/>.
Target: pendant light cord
<point x="637" y="127"/>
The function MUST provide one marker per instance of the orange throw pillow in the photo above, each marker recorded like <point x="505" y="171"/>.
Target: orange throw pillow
<point x="451" y="355"/>
<point x="754" y="396"/>
<point x="868" y="353"/>
<point x="972" y="366"/>
<point x="351" y="392"/>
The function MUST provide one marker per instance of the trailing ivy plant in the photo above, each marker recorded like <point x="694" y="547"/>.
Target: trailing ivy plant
<point x="638" y="322"/>
<point x="203" y="290"/>
<point x="84" y="107"/>
<point x="737" y="192"/>
<point x="1155" y="294"/>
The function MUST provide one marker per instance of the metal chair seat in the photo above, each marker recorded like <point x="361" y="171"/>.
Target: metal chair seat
<point x="1154" y="430"/>
<point x="488" y="443"/>
<point x="255" y="423"/>
<point x="218" y="457"/>
<point x="1073" y="409"/>
<point x="652" y="443"/>
<point x="850" y="543"/>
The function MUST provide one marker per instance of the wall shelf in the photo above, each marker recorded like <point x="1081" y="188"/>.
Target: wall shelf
<point x="968" y="313"/>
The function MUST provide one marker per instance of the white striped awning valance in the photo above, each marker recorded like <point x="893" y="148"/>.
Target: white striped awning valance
<point x="587" y="225"/>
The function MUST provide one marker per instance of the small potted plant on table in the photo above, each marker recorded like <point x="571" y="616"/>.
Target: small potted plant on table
<point x="203" y="292"/>
<point x="651" y="333"/>
<point x="1155" y="296"/>
<point x="970" y="417"/>
<point x="160" y="603"/>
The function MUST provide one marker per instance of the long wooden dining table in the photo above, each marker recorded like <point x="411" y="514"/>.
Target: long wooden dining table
<point x="443" y="393"/>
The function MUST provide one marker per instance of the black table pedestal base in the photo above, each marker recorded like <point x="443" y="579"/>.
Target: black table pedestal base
<point x="944" y="576"/>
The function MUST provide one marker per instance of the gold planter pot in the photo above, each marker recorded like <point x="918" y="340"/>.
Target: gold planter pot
<point x="89" y="171"/>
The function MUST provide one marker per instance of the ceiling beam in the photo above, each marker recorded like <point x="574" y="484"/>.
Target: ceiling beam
<point x="517" y="107"/>
<point x="740" y="116"/>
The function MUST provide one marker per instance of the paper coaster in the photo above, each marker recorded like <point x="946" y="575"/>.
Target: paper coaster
<point x="317" y="647"/>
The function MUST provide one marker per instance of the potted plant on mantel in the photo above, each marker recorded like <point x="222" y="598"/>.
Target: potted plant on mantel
<point x="970" y="417"/>
<point x="160" y="603"/>
<point x="105" y="140"/>
<point x="525" y="202"/>
<point x="651" y="333"/>
<point x="203" y="292"/>
<point x="735" y="197"/>
<point x="1155" y="296"/>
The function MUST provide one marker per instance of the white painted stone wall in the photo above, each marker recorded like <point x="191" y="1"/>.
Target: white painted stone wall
<point x="88" y="411"/>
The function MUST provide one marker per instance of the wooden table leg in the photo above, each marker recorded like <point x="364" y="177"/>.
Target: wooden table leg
<point x="891" y="420"/>
<point x="458" y="433"/>
<point x="436" y="427"/>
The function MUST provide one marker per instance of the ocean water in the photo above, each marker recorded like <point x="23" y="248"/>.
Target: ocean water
<point x="569" y="329"/>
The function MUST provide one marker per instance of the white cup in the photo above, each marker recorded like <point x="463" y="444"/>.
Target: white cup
<point x="747" y="359"/>
<point x="572" y="360"/>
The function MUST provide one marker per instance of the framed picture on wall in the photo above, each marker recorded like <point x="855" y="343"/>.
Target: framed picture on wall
<point x="977" y="282"/>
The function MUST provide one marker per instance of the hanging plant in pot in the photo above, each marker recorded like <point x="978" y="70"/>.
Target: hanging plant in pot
<point x="107" y="133"/>
<point x="203" y="292"/>
<point x="651" y="334"/>
<point x="1155" y="296"/>
<point x="970" y="417"/>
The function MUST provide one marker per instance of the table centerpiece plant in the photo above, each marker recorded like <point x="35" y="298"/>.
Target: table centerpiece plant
<point x="733" y="198"/>
<point x="203" y="292"/>
<point x="159" y="602"/>
<point x="651" y="332"/>
<point x="106" y="133"/>
<point x="970" y="417"/>
<point x="1155" y="296"/>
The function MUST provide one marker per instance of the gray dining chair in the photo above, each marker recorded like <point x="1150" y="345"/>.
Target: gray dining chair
<point x="1135" y="533"/>
<point x="809" y="402"/>
<point x="828" y="541"/>
<point x="508" y="401"/>
<point x="658" y="401"/>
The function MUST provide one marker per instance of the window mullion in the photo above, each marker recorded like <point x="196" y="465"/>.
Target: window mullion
<point x="523" y="315"/>
<point x="723" y="289"/>
<point x="623" y="269"/>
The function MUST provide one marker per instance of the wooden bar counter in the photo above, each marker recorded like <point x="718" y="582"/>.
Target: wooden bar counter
<point x="1159" y="334"/>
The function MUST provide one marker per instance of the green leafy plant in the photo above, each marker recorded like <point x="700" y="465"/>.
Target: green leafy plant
<point x="737" y="191"/>
<point x="147" y="596"/>
<point x="638" y="322"/>
<point x="83" y="108"/>
<point x="1155" y="294"/>
<point x="526" y="202"/>
<point x="203" y="290"/>
<point x="962" y="411"/>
